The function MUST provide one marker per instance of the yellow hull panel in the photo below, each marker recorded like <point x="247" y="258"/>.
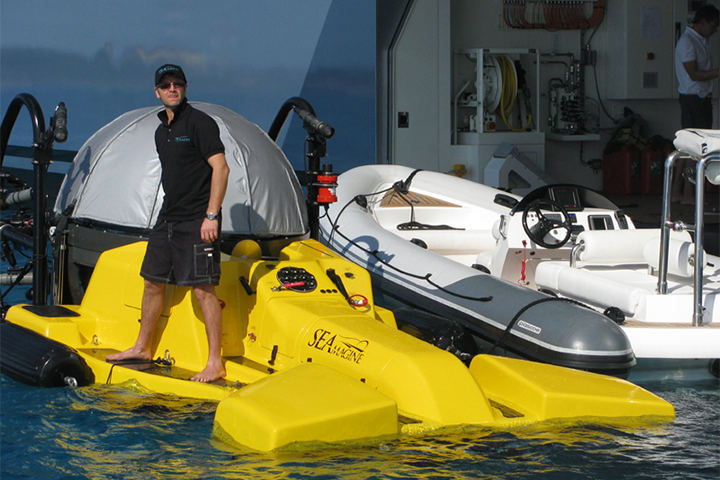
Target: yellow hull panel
<point x="542" y="392"/>
<point x="310" y="402"/>
<point x="307" y="365"/>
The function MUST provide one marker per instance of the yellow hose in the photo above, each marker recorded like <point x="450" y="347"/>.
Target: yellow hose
<point x="509" y="92"/>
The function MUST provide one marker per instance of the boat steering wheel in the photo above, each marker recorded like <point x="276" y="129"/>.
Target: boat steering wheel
<point x="545" y="224"/>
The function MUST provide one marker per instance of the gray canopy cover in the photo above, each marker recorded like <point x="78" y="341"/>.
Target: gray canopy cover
<point x="115" y="177"/>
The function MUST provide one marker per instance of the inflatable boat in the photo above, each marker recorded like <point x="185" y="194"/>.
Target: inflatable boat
<point x="560" y="275"/>
<point x="308" y="355"/>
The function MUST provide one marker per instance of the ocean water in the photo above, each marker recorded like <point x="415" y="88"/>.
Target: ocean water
<point x="120" y="432"/>
<point x="112" y="432"/>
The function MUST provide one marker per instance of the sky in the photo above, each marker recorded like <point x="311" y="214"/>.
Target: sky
<point x="250" y="32"/>
<point x="99" y="56"/>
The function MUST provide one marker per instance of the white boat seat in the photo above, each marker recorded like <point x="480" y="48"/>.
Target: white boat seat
<point x="452" y="242"/>
<point x="588" y="286"/>
<point x="679" y="256"/>
<point x="616" y="247"/>
<point x="700" y="142"/>
<point x="604" y="251"/>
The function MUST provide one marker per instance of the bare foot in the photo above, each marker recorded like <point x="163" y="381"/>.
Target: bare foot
<point x="129" y="354"/>
<point x="209" y="374"/>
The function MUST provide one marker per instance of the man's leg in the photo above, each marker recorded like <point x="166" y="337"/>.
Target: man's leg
<point x="695" y="112"/>
<point x="704" y="114"/>
<point x="210" y="306"/>
<point x="152" y="306"/>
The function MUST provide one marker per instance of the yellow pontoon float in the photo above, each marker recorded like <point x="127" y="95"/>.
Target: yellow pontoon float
<point x="308" y="355"/>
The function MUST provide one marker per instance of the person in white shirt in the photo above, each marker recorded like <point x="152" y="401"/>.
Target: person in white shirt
<point x="693" y="67"/>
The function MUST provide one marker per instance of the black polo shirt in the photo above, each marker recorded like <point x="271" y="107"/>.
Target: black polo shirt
<point x="184" y="146"/>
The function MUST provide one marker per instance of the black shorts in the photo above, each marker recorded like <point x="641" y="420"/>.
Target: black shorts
<point x="177" y="255"/>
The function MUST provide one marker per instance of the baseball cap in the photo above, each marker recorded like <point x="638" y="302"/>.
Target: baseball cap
<point x="168" y="68"/>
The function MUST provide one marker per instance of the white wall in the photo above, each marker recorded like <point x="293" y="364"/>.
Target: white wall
<point x="420" y="67"/>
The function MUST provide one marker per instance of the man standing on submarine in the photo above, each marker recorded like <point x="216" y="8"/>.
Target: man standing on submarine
<point x="183" y="247"/>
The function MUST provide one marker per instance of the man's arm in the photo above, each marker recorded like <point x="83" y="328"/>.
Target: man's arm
<point x="699" y="75"/>
<point x="218" y="186"/>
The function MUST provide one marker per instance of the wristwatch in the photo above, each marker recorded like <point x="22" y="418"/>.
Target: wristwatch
<point x="211" y="216"/>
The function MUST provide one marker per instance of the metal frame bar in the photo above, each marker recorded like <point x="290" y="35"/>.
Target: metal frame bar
<point x="698" y="228"/>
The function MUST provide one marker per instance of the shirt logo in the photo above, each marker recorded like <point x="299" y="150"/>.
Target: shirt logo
<point x="183" y="138"/>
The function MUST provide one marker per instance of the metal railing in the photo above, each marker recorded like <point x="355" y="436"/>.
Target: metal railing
<point x="697" y="228"/>
<point x="42" y="157"/>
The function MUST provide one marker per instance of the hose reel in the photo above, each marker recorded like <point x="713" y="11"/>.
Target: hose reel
<point x="500" y="85"/>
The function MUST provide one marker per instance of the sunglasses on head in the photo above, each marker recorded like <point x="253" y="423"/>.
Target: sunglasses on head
<point x="165" y="86"/>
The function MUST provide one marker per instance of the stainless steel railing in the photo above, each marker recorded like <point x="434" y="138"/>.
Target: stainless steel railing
<point x="697" y="228"/>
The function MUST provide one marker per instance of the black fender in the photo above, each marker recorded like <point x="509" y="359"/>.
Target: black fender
<point x="32" y="359"/>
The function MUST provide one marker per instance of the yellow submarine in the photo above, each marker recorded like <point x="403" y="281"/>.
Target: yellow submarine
<point x="308" y="355"/>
